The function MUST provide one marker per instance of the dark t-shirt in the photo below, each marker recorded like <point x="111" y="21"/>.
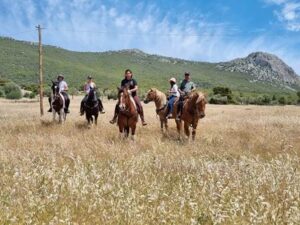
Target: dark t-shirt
<point x="130" y="83"/>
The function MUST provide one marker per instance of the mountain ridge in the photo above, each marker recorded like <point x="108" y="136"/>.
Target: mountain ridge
<point x="20" y="64"/>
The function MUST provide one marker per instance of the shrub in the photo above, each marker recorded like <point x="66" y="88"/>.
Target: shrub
<point x="218" y="99"/>
<point x="112" y="95"/>
<point x="12" y="91"/>
<point x="223" y="91"/>
<point x="2" y="93"/>
<point x="47" y="91"/>
<point x="282" y="100"/>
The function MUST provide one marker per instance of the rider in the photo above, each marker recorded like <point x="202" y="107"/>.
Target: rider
<point x="87" y="87"/>
<point x="185" y="88"/>
<point x="128" y="81"/>
<point x="63" y="88"/>
<point x="174" y="93"/>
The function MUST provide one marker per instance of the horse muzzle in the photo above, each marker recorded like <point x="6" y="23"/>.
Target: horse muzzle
<point x="201" y="115"/>
<point x="146" y="101"/>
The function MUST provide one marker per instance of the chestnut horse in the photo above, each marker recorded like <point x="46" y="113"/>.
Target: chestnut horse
<point x="193" y="110"/>
<point x="160" y="101"/>
<point x="128" y="114"/>
<point x="57" y="103"/>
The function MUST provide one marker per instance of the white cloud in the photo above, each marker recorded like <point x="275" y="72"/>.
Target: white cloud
<point x="289" y="13"/>
<point x="84" y="25"/>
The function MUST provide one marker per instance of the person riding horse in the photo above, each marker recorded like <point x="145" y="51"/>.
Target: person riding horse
<point x="128" y="81"/>
<point x="63" y="88"/>
<point x="174" y="93"/>
<point x="185" y="88"/>
<point x="90" y="85"/>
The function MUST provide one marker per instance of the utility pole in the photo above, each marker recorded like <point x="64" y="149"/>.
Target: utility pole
<point x="40" y="70"/>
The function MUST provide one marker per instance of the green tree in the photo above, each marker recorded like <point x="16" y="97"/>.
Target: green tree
<point x="12" y="91"/>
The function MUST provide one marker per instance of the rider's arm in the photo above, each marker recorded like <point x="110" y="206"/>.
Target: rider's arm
<point x="66" y="87"/>
<point x="135" y="88"/>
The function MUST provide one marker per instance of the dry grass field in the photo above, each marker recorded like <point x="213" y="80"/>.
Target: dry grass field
<point x="243" y="168"/>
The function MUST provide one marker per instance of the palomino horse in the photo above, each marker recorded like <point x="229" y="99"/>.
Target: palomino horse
<point x="160" y="101"/>
<point x="57" y="103"/>
<point x="127" y="115"/>
<point x="91" y="107"/>
<point x="193" y="110"/>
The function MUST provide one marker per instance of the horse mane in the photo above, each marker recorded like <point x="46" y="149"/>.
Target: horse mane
<point x="160" y="96"/>
<point x="194" y="98"/>
<point x="130" y="100"/>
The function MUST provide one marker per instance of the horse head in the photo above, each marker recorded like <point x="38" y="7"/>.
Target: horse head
<point x="124" y="98"/>
<point x="200" y="105"/>
<point x="55" y="88"/>
<point x="92" y="95"/>
<point x="151" y="95"/>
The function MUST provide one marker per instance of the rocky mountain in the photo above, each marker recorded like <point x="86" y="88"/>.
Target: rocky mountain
<point x="19" y="63"/>
<point x="263" y="66"/>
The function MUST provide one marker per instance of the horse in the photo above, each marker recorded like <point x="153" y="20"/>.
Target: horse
<point x="160" y="101"/>
<point x="193" y="110"/>
<point x="57" y="103"/>
<point x="127" y="113"/>
<point x="91" y="107"/>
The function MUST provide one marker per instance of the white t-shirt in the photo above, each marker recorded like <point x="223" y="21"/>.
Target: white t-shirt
<point x="63" y="86"/>
<point x="88" y="86"/>
<point x="174" y="91"/>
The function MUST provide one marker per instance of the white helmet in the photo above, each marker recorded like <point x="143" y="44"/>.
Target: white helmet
<point x="173" y="79"/>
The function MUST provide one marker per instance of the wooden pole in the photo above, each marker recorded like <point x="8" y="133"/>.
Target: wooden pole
<point x="40" y="70"/>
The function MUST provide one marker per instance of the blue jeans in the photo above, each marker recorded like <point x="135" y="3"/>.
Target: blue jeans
<point x="171" y="103"/>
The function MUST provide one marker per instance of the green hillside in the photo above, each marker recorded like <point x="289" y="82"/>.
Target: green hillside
<point x="19" y="63"/>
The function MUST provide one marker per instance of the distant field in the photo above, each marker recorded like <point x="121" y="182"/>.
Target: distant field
<point x="243" y="168"/>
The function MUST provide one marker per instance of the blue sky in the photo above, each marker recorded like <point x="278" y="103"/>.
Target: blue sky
<point x="213" y="31"/>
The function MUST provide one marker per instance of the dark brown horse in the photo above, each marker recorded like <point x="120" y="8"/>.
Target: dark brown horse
<point x="193" y="110"/>
<point x="127" y="115"/>
<point x="57" y="103"/>
<point x="91" y="107"/>
<point x="160" y="101"/>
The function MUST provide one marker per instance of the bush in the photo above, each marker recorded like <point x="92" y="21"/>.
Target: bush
<point x="47" y="91"/>
<point x="12" y="91"/>
<point x="1" y="93"/>
<point x="218" y="99"/>
<point x="282" y="100"/>
<point x="112" y="95"/>
<point x="223" y="91"/>
<point x="29" y="95"/>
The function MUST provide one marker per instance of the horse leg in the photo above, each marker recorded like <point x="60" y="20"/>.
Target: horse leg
<point x="121" y="130"/>
<point x="194" y="131"/>
<point x="162" y="125"/>
<point x="166" y="124"/>
<point x="178" y="126"/>
<point x="187" y="129"/>
<point x="127" y="131"/>
<point x="87" y="116"/>
<point x="54" y="114"/>
<point x="96" y="118"/>
<point x="61" y="115"/>
<point x="133" y="128"/>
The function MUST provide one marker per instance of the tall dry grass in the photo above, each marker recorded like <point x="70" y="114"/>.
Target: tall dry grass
<point x="243" y="168"/>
